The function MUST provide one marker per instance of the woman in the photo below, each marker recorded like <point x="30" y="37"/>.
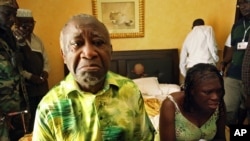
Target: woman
<point x="198" y="112"/>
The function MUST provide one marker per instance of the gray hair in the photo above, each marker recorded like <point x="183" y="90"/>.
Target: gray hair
<point x="84" y="19"/>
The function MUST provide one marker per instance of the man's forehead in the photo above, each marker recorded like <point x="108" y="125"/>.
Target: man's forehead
<point x="80" y="26"/>
<point x="75" y="31"/>
<point x="28" y="19"/>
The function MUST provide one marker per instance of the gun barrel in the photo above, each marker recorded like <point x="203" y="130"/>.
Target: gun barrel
<point x="17" y="113"/>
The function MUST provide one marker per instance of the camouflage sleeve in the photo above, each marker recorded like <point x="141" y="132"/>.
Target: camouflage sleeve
<point x="9" y="82"/>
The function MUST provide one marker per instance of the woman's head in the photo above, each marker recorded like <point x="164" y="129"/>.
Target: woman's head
<point x="204" y="87"/>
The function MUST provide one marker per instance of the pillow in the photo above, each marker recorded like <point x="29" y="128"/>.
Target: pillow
<point x="169" y="88"/>
<point x="148" y="85"/>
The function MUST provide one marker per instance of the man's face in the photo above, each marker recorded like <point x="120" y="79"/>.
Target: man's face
<point x="25" y="25"/>
<point x="87" y="52"/>
<point x="139" y="69"/>
<point x="244" y="7"/>
<point x="7" y="16"/>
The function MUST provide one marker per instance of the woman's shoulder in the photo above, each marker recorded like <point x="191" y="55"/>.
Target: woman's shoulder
<point x="172" y="99"/>
<point x="178" y="97"/>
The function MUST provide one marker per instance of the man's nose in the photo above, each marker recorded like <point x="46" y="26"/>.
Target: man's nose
<point x="88" y="51"/>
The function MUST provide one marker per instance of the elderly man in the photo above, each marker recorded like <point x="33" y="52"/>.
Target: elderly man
<point x="91" y="103"/>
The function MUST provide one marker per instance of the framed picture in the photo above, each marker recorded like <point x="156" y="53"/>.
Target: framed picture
<point x="123" y="18"/>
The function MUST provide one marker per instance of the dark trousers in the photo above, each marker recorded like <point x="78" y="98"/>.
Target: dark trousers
<point x="34" y="101"/>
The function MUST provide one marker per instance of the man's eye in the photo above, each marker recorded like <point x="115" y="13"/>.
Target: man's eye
<point x="98" y="43"/>
<point x="76" y="44"/>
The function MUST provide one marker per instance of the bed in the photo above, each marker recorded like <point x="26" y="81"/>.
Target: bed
<point x="162" y="67"/>
<point x="162" y="75"/>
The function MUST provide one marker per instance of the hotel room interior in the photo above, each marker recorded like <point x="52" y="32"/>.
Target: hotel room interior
<point x="165" y="25"/>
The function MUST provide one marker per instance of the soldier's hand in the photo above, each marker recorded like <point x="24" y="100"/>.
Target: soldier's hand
<point x="44" y="75"/>
<point x="36" y="79"/>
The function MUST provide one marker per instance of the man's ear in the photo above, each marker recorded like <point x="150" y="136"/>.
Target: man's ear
<point x="63" y="56"/>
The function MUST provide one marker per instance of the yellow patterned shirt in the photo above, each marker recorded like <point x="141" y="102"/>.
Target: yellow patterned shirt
<point x="115" y="113"/>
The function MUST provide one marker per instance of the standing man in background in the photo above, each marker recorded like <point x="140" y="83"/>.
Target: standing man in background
<point x="199" y="46"/>
<point x="234" y="91"/>
<point x="35" y="63"/>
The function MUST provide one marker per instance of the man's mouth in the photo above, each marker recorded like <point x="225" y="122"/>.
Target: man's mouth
<point x="90" y="68"/>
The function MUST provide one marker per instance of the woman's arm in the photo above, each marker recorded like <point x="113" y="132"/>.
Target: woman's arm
<point x="167" y="121"/>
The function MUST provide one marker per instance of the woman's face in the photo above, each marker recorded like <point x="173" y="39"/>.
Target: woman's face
<point x="208" y="93"/>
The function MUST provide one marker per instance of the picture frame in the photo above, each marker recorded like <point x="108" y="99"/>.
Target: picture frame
<point x="123" y="18"/>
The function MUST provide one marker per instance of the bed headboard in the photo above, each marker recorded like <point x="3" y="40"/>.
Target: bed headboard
<point x="163" y="63"/>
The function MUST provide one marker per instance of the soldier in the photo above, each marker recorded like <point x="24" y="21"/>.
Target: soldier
<point x="10" y="78"/>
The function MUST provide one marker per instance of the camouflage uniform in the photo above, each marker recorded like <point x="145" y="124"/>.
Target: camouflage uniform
<point x="9" y="75"/>
<point x="9" y="79"/>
